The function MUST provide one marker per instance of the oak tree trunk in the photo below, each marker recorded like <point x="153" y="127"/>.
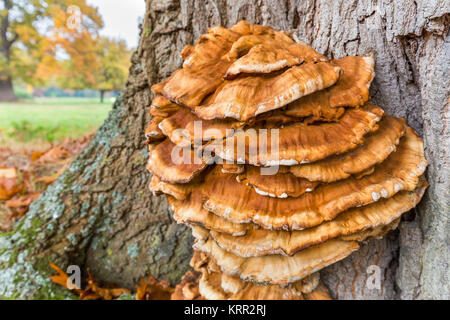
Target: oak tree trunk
<point x="100" y="214"/>
<point x="6" y="90"/>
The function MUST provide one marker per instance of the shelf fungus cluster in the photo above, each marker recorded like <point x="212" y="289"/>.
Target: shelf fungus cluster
<point x="275" y="157"/>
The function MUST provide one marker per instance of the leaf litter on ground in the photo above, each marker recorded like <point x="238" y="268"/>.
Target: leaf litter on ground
<point x="26" y="173"/>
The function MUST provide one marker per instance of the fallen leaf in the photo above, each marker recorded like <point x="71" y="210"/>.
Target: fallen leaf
<point x="151" y="289"/>
<point x="23" y="201"/>
<point x="103" y="293"/>
<point x="62" y="278"/>
<point x="9" y="183"/>
<point x="92" y="291"/>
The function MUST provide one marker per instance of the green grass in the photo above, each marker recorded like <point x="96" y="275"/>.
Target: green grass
<point x="51" y="119"/>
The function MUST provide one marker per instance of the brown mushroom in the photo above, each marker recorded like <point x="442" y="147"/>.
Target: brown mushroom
<point x="177" y="190"/>
<point x="232" y="168"/>
<point x="163" y="162"/>
<point x="241" y="204"/>
<point x="278" y="269"/>
<point x="248" y="96"/>
<point x="299" y="143"/>
<point x="181" y="128"/>
<point x="152" y="132"/>
<point x="279" y="185"/>
<point x="351" y="90"/>
<point x="211" y="286"/>
<point x="267" y="54"/>
<point x="329" y="172"/>
<point x="259" y="242"/>
<point x="162" y="107"/>
<point x="191" y="212"/>
<point x="376" y="148"/>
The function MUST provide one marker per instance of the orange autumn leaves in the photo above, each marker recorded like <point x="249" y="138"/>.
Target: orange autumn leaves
<point x="148" y="289"/>
<point x="93" y="291"/>
<point x="9" y="183"/>
<point x="25" y="174"/>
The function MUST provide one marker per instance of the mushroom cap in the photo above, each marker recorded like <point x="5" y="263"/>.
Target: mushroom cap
<point x="259" y="54"/>
<point x="233" y="168"/>
<point x="177" y="190"/>
<point x="187" y="289"/>
<point x="210" y="47"/>
<point x="377" y="232"/>
<point x="191" y="212"/>
<point x="222" y="286"/>
<point x="162" y="107"/>
<point x="241" y="204"/>
<point x="277" y="269"/>
<point x="189" y="86"/>
<point x="279" y="185"/>
<point x="377" y="147"/>
<point x="250" y="95"/>
<point x="202" y="71"/>
<point x="205" y="65"/>
<point x="351" y="90"/>
<point x="158" y="87"/>
<point x="162" y="162"/>
<point x="152" y="132"/>
<point x="260" y="242"/>
<point x="213" y="285"/>
<point x="299" y="143"/>
<point x="263" y="59"/>
<point x="180" y="128"/>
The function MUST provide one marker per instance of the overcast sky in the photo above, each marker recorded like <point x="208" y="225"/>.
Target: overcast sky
<point x="121" y="18"/>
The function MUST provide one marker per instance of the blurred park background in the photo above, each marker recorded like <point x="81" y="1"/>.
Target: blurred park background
<point x="62" y="65"/>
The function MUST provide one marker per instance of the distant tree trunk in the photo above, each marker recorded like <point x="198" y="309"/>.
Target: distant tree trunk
<point x="6" y="87"/>
<point x="102" y="95"/>
<point x="6" y="90"/>
<point x="100" y="215"/>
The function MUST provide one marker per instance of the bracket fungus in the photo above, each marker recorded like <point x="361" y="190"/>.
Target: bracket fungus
<point x="291" y="169"/>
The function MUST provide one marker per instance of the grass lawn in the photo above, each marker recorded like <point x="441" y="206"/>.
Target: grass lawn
<point x="46" y="120"/>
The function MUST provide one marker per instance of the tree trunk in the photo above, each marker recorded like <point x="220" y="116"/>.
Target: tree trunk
<point x="100" y="215"/>
<point x="102" y="96"/>
<point x="6" y="90"/>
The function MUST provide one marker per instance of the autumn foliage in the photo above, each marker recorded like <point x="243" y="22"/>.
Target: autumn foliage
<point x="57" y="42"/>
<point x="25" y="174"/>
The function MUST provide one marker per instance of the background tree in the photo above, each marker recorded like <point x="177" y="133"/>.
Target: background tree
<point x="114" y="63"/>
<point x="101" y="64"/>
<point x="34" y="33"/>
<point x="100" y="215"/>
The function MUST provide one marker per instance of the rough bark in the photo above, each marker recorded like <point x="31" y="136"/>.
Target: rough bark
<point x="100" y="215"/>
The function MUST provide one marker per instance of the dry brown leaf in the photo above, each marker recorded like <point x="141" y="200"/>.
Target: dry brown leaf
<point x="62" y="278"/>
<point x="92" y="291"/>
<point x="151" y="289"/>
<point x="9" y="183"/>
<point x="24" y="174"/>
